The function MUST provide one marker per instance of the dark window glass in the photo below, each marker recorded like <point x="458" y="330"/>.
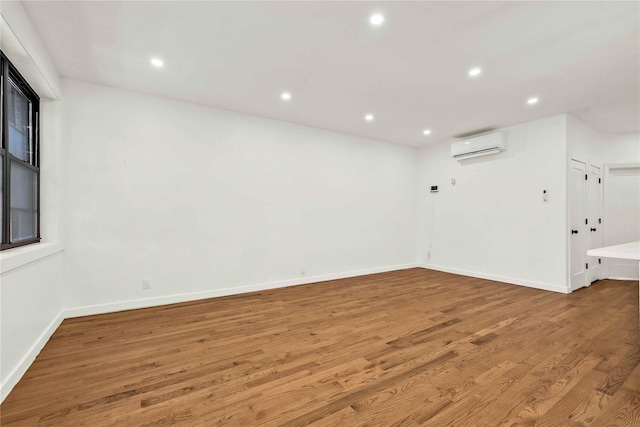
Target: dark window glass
<point x="19" y="159"/>
<point x="19" y="112"/>
<point x="24" y="203"/>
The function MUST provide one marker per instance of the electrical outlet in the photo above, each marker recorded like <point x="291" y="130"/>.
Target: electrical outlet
<point x="303" y="270"/>
<point x="146" y="283"/>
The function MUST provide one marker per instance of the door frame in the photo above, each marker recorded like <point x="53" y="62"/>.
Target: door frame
<point x="598" y="225"/>
<point x="571" y="159"/>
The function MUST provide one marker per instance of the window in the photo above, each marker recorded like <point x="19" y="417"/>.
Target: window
<point x="19" y="159"/>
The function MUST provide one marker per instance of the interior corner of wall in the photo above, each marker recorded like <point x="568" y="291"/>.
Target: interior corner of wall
<point x="20" y="38"/>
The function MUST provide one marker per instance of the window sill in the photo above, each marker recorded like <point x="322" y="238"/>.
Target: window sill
<point x="11" y="259"/>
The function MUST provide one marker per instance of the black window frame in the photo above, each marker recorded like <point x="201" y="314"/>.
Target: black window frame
<point x="8" y="70"/>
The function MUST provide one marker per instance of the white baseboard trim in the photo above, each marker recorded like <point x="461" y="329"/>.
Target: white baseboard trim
<point x="193" y="296"/>
<point x="623" y="278"/>
<point x="16" y="374"/>
<point x="10" y="381"/>
<point x="497" y="278"/>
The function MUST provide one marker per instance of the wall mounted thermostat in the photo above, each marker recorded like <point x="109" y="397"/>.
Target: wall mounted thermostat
<point x="434" y="188"/>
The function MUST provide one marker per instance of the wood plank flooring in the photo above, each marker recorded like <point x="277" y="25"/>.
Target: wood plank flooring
<point x="406" y="348"/>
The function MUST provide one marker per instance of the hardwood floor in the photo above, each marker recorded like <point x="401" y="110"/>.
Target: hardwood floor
<point x="406" y="348"/>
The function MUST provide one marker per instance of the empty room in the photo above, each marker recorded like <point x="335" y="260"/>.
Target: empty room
<point x="329" y="213"/>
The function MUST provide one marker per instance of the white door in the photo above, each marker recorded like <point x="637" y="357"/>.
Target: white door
<point x="594" y="216"/>
<point x="578" y="229"/>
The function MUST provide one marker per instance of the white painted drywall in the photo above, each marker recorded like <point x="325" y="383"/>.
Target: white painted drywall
<point x="20" y="41"/>
<point x="621" y="194"/>
<point x="493" y="222"/>
<point x="583" y="142"/>
<point x="198" y="199"/>
<point x="620" y="148"/>
<point x="31" y="309"/>
<point x="621" y="200"/>
<point x="31" y="277"/>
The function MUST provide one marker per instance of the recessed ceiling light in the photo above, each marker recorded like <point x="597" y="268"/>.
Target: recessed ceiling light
<point x="157" y="62"/>
<point x="475" y="71"/>
<point x="369" y="117"/>
<point x="376" y="19"/>
<point x="426" y="132"/>
<point x="285" y="96"/>
<point x="532" y="101"/>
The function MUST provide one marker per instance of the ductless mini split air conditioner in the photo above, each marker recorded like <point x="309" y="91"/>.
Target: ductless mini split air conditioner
<point x="480" y="145"/>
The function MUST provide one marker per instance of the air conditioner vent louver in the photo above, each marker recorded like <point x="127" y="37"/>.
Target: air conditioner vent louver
<point x="477" y="146"/>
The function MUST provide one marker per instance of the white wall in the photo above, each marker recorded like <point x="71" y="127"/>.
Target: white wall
<point x="206" y="202"/>
<point x="621" y="200"/>
<point x="31" y="312"/>
<point x="21" y="43"/>
<point x="621" y="194"/>
<point x="620" y="148"/>
<point x="583" y="142"/>
<point x="31" y="277"/>
<point x="493" y="222"/>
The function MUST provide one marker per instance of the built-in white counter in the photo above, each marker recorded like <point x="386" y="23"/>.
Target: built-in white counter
<point x="629" y="250"/>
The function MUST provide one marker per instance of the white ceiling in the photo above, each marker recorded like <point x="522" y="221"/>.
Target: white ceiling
<point x="411" y="72"/>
